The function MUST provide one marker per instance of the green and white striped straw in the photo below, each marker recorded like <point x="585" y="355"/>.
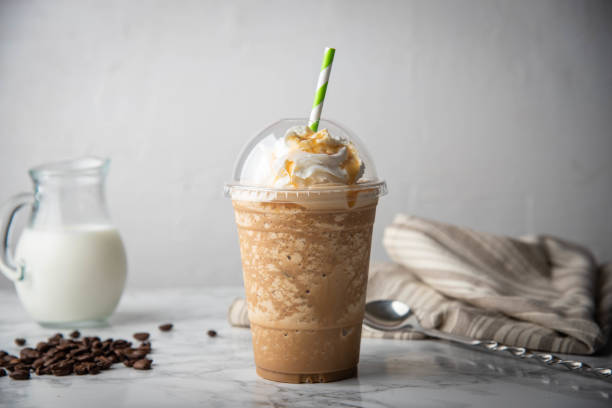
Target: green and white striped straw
<point x="317" y="106"/>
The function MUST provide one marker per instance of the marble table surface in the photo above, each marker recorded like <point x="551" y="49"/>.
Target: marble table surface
<point x="192" y="369"/>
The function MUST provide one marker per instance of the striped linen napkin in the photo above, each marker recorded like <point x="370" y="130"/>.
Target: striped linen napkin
<point x="541" y="292"/>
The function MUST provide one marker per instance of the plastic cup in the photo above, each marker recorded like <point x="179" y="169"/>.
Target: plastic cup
<point x="305" y="258"/>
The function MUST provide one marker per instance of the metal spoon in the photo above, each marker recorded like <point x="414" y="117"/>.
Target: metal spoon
<point x="393" y="315"/>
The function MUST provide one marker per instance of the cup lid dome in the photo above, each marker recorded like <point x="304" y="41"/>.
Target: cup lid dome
<point x="254" y="158"/>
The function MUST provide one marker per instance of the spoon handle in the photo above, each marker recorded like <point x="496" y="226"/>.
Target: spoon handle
<point x="546" y="359"/>
<point x="523" y="353"/>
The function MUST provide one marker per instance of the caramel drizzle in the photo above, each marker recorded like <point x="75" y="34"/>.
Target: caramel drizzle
<point x="315" y="143"/>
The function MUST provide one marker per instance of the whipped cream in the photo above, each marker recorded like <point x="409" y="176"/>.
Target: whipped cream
<point x="304" y="158"/>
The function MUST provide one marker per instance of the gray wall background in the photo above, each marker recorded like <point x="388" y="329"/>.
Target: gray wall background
<point x="491" y="114"/>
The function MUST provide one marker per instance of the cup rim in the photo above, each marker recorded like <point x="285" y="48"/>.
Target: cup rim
<point x="375" y="188"/>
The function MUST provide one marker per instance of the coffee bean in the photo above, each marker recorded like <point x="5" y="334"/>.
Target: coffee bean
<point x="43" y="371"/>
<point x="211" y="333"/>
<point x="20" y="341"/>
<point x="75" y="334"/>
<point x="104" y="365"/>
<point x="28" y="354"/>
<point x="42" y="346"/>
<point x="143" y="364"/>
<point x="141" y="336"/>
<point x="93" y="369"/>
<point x="103" y="362"/>
<point x="166" y="327"/>
<point x="66" y="345"/>
<point x="62" y="369"/>
<point x="51" y="352"/>
<point x="11" y="362"/>
<point x="20" y="375"/>
<point x="80" y="369"/>
<point x="22" y="367"/>
<point x="118" y="344"/>
<point x="55" y="359"/>
<point x="78" y="351"/>
<point x="135" y="354"/>
<point x="146" y="346"/>
<point x="84" y="357"/>
<point x="38" y="363"/>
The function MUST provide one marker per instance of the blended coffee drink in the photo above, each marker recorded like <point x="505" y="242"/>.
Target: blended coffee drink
<point x="304" y="204"/>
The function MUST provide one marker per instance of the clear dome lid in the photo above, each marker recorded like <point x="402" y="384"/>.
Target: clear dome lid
<point x="254" y="161"/>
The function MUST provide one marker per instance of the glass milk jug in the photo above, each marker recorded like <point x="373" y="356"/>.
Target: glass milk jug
<point x="69" y="266"/>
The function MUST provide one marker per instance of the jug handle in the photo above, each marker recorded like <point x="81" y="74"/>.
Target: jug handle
<point x="8" y="212"/>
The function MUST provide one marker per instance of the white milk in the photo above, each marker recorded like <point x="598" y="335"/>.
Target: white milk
<point x="71" y="274"/>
